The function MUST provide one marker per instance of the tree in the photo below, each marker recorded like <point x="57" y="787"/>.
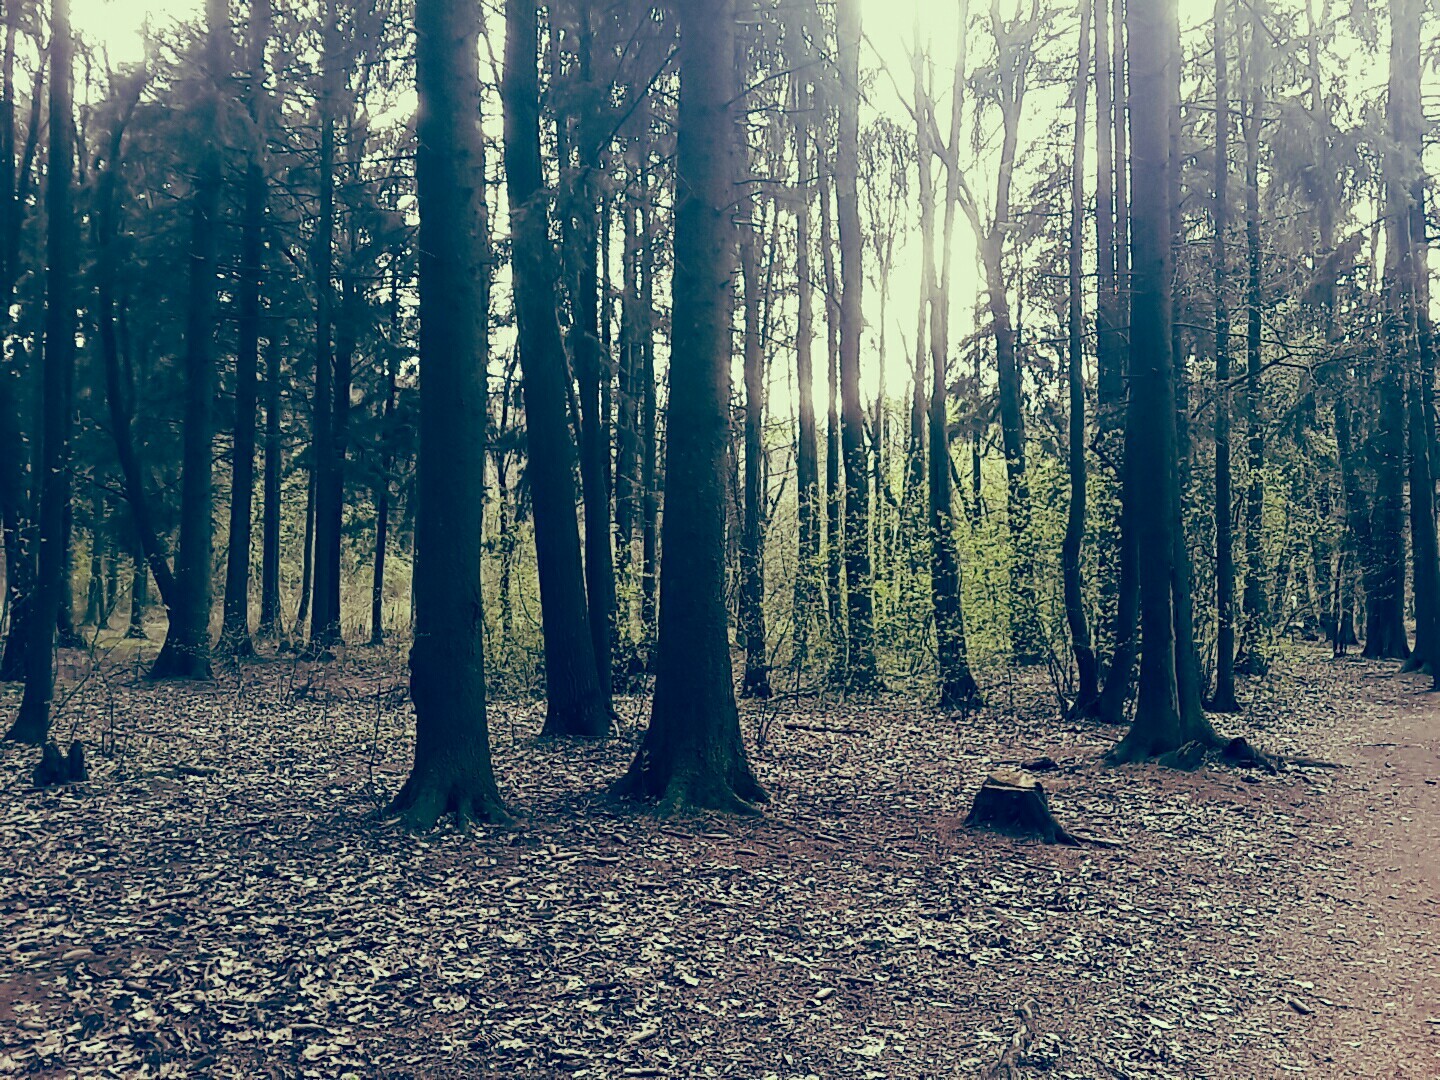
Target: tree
<point x="860" y="667"/>
<point x="692" y="755"/>
<point x="32" y="724"/>
<point x="334" y="341"/>
<point x="451" y="773"/>
<point x="1087" y="690"/>
<point x="1223" y="699"/>
<point x="186" y="650"/>
<point x="235" y="627"/>
<point x="15" y="508"/>
<point x="576" y="704"/>
<point x="958" y="689"/>
<point x="1151" y="464"/>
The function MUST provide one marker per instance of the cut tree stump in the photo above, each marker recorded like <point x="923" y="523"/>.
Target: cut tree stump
<point x="1013" y="802"/>
<point x="54" y="769"/>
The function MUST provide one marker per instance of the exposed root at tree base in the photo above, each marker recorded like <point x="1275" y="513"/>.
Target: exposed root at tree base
<point x="420" y="806"/>
<point x="684" y="792"/>
<point x="1007" y="1066"/>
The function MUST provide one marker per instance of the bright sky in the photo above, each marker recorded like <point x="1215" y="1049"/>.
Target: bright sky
<point x="890" y="28"/>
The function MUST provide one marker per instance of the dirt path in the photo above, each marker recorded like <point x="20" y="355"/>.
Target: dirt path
<point x="255" y="919"/>
<point x="1375" y="935"/>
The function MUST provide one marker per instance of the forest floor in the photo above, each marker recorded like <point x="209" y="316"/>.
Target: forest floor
<point x="221" y="900"/>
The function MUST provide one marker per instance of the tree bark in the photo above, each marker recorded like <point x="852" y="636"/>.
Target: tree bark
<point x="186" y="651"/>
<point x="235" y="625"/>
<point x="861" y="671"/>
<point x="271" y="622"/>
<point x="1223" y="699"/>
<point x="1253" y="605"/>
<point x="32" y="723"/>
<point x="1087" y="687"/>
<point x="692" y="755"/>
<point x="807" y="456"/>
<point x="1150" y="440"/>
<point x="452" y="773"/>
<point x="576" y="703"/>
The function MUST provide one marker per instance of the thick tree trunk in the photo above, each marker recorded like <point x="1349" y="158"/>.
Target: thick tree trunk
<point x="186" y="651"/>
<point x="592" y="364"/>
<point x="1407" y="338"/>
<point x="14" y="511"/>
<point x="1087" y="687"/>
<point x="32" y="724"/>
<point x="692" y="755"/>
<point x="452" y="773"/>
<point x="576" y="704"/>
<point x="1151" y="467"/>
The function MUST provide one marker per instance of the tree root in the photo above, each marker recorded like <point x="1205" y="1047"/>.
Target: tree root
<point x="1012" y="1057"/>
<point x="687" y="791"/>
<point x="421" y="804"/>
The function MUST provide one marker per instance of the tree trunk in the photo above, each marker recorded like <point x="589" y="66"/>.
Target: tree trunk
<point x="14" y="500"/>
<point x="692" y="755"/>
<point x="807" y="456"/>
<point x="32" y="724"/>
<point x="1407" y="339"/>
<point x="271" y="622"/>
<point x="756" y="679"/>
<point x="1223" y="699"/>
<point x="860" y="668"/>
<point x="452" y="771"/>
<point x="235" y="625"/>
<point x="1087" y="688"/>
<point x="592" y="368"/>
<point x="186" y="651"/>
<point x="576" y="704"/>
<point x="834" y="526"/>
<point x="1150" y="487"/>
<point x="1253" y="606"/>
<point x="139" y="598"/>
<point x="307" y="556"/>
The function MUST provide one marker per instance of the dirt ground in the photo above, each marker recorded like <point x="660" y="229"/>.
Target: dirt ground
<point x="220" y="898"/>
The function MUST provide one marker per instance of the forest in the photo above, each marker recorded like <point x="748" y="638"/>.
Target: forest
<point x="753" y="538"/>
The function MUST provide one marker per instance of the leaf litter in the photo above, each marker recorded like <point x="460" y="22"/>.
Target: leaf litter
<point x="220" y="898"/>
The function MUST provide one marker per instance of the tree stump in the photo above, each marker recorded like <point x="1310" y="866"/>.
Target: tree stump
<point x="54" y="769"/>
<point x="1014" y="803"/>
